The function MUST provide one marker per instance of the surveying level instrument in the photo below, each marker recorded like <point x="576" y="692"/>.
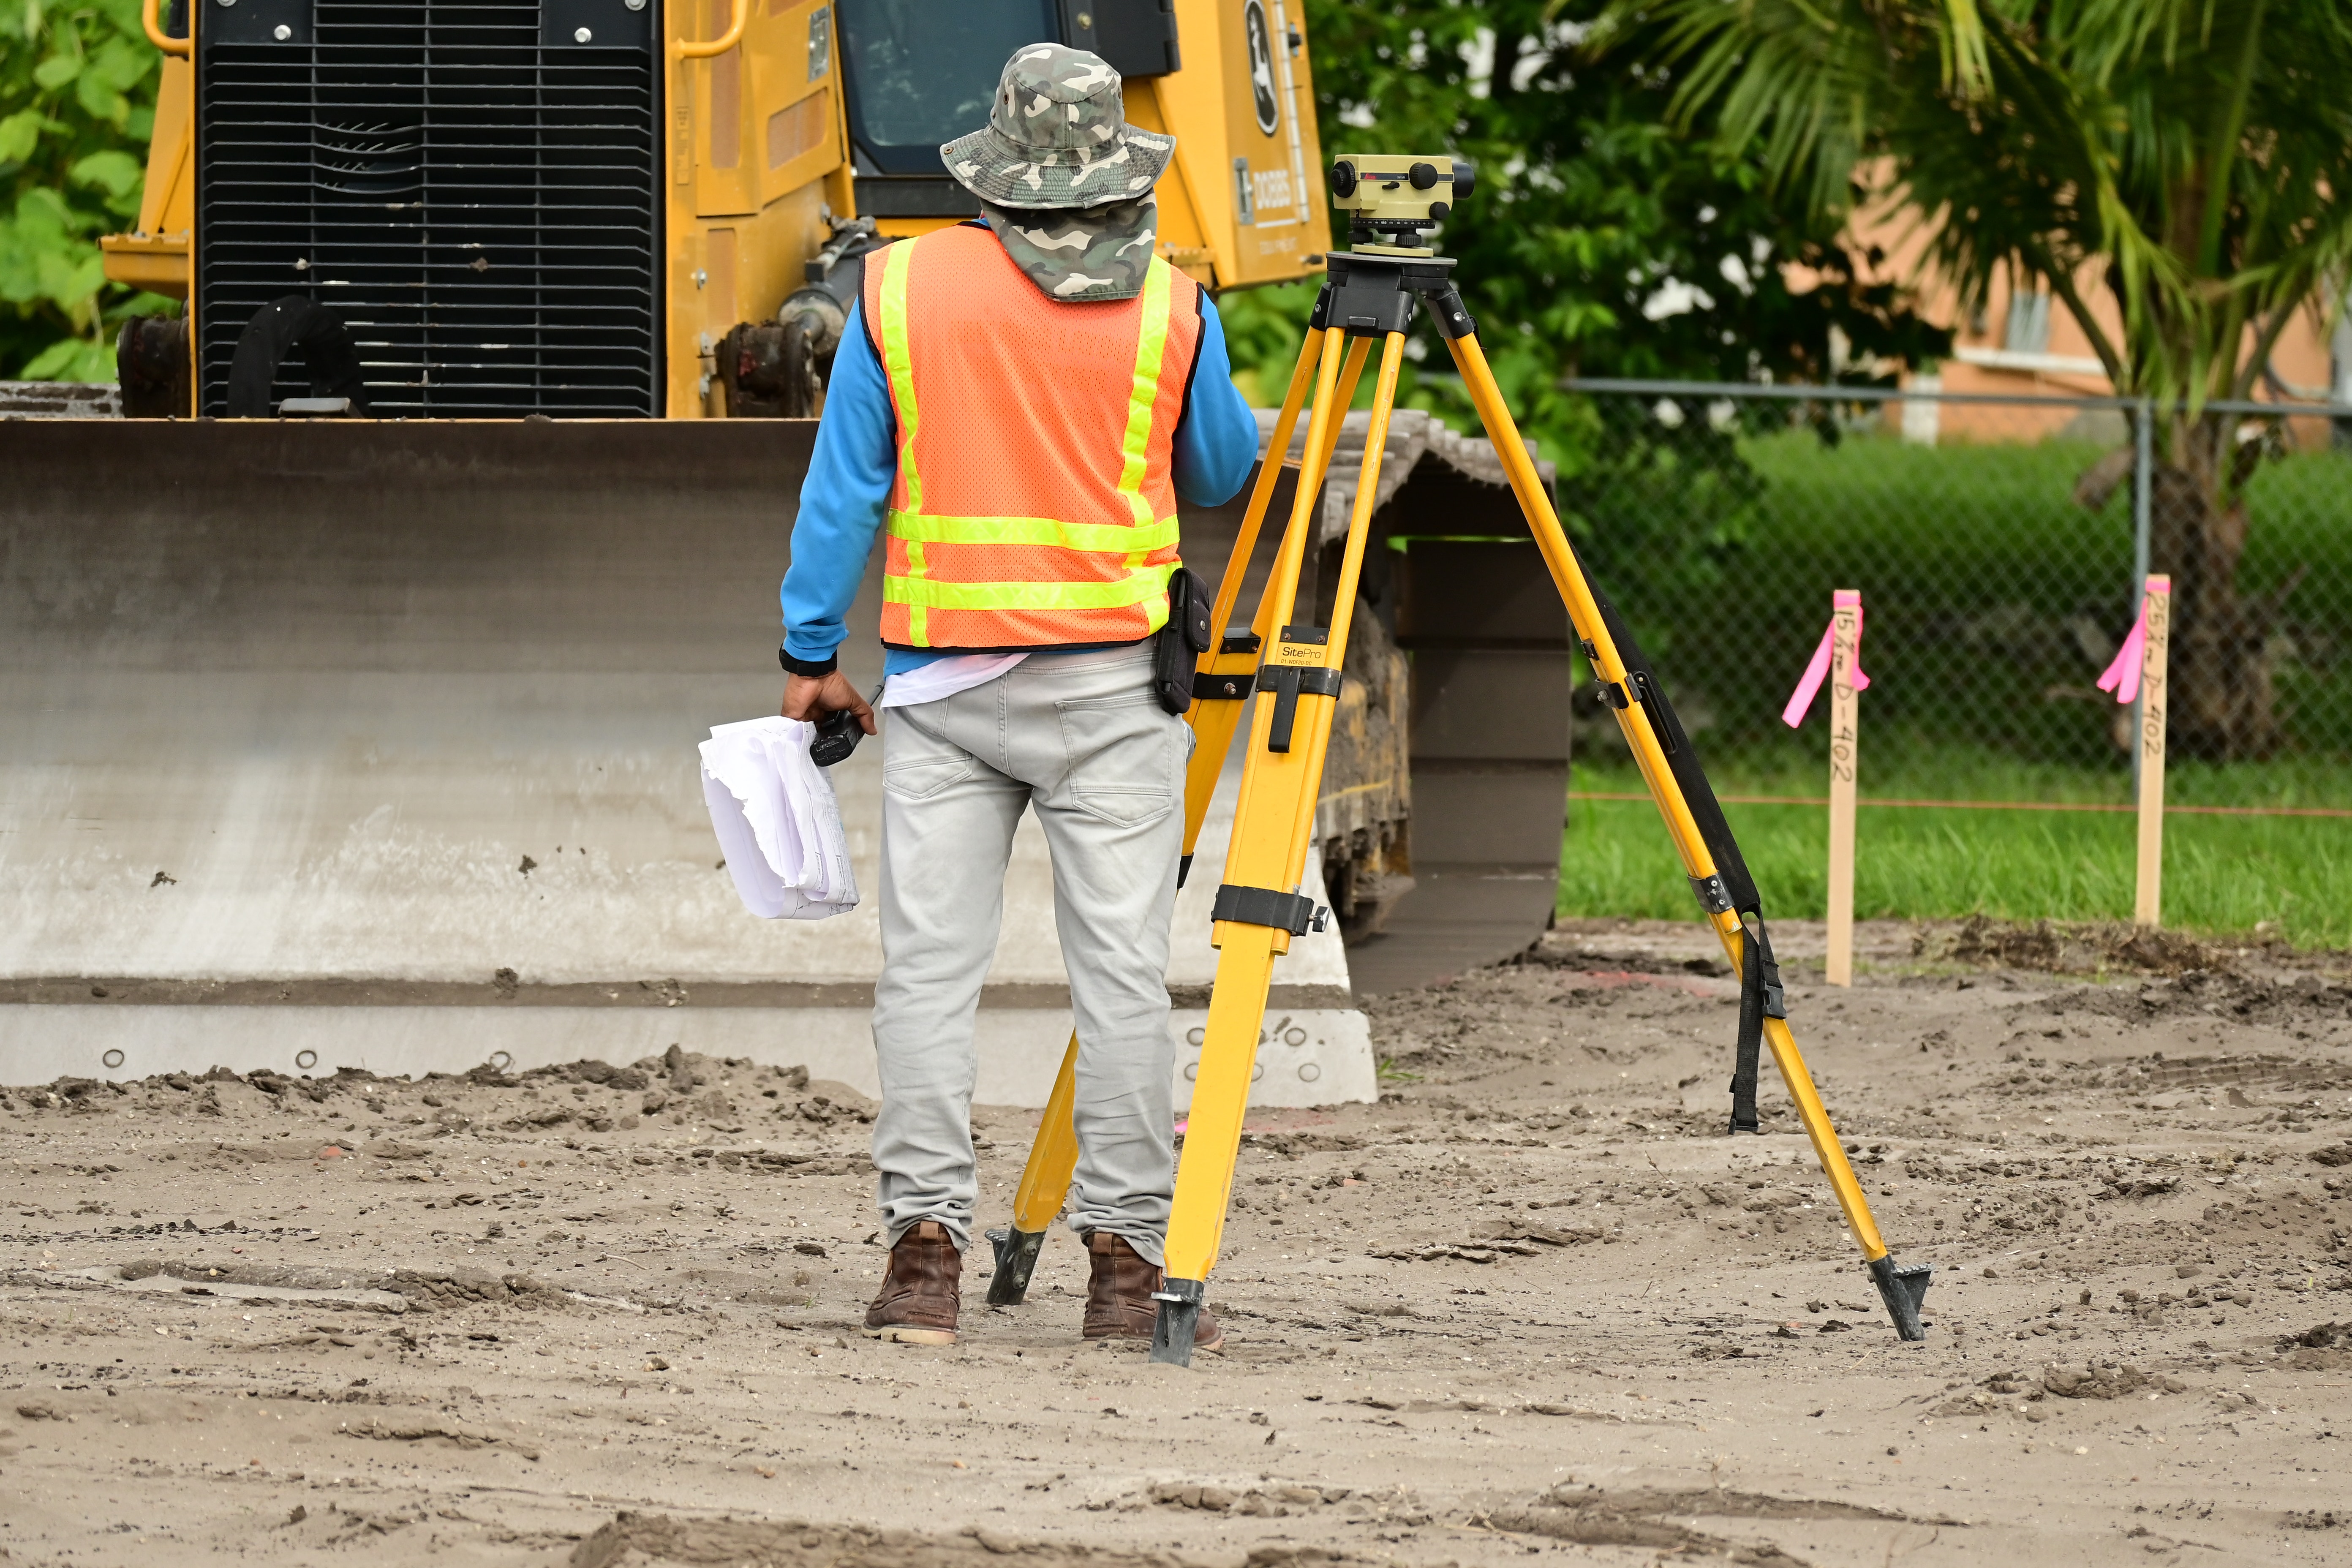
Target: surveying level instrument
<point x="1393" y="198"/>
<point x="1371" y="294"/>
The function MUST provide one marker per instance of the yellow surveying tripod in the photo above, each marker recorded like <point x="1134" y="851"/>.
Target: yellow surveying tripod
<point x="1371" y="294"/>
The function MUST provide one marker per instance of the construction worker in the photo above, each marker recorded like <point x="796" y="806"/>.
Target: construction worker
<point x="1016" y="407"/>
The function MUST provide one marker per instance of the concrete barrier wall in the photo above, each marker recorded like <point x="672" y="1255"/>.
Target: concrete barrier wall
<point x="398" y="707"/>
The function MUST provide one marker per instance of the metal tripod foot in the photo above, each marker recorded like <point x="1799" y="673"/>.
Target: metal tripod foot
<point x="1903" y="1288"/>
<point x="1179" y="1320"/>
<point x="1016" y="1261"/>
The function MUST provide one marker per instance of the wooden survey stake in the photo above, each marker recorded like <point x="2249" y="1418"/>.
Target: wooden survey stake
<point x="2148" y="905"/>
<point x="1845" y="636"/>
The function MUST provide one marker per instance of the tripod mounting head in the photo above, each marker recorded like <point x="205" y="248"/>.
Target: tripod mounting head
<point x="1395" y="196"/>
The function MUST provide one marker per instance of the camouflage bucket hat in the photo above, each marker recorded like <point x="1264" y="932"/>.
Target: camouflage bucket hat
<point x="1057" y="137"/>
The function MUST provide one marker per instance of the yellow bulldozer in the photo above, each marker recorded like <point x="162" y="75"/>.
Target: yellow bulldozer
<point x="354" y="654"/>
<point x="573" y="208"/>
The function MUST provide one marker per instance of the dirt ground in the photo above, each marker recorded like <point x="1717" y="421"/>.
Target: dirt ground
<point x="1534" y="1303"/>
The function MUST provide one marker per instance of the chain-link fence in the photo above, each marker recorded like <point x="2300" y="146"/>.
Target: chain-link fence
<point x="1997" y="543"/>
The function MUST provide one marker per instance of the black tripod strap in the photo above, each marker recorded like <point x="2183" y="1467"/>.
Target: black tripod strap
<point x="1759" y="998"/>
<point x="1732" y="888"/>
<point x="1738" y="888"/>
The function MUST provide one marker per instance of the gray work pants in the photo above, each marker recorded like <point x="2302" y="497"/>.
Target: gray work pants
<point x="1079" y="736"/>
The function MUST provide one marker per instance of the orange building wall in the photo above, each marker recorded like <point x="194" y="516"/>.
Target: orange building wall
<point x="2064" y="365"/>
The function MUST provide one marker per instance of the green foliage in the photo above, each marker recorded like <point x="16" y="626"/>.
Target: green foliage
<point x="1665" y="514"/>
<point x="2197" y="152"/>
<point x="2191" y="157"/>
<point x="76" y="104"/>
<point x="1995" y="600"/>
<point x="1600" y="241"/>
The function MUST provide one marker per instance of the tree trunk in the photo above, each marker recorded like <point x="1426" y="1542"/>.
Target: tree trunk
<point x="2223" y="703"/>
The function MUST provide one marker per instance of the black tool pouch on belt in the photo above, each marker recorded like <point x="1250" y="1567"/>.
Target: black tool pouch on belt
<point x="1177" y="648"/>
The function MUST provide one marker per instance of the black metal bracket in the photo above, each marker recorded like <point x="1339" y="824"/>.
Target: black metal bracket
<point x="1446" y="311"/>
<point x="1646" y="691"/>
<point x="1293" y="912"/>
<point x="1225" y="688"/>
<point x="1285" y="681"/>
<point x="1320" y="319"/>
<point x="1711" y="895"/>
<point x="1904" y="1289"/>
<point x="1016" y="1261"/>
<point x="1371" y="296"/>
<point x="1179" y="1319"/>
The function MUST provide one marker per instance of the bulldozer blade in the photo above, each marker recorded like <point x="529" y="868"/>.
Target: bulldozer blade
<point x="377" y="740"/>
<point x="372" y="745"/>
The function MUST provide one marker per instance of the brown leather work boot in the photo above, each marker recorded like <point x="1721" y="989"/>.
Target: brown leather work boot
<point x="920" y="1291"/>
<point x="1120" y="1286"/>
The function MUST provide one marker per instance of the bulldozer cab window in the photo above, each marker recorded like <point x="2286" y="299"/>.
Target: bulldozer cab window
<point x="921" y="73"/>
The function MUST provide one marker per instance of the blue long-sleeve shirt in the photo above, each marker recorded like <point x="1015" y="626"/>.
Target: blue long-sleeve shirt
<point x="848" y="491"/>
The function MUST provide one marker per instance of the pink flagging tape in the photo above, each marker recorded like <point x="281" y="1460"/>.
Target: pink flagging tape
<point x="2123" y="675"/>
<point x="1817" y="670"/>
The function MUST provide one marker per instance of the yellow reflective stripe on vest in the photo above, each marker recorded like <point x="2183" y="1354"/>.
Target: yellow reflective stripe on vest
<point x="898" y="364"/>
<point x="1136" y="587"/>
<point x="1150" y="349"/>
<point x="919" y="629"/>
<point x="895" y="359"/>
<point x="1108" y="538"/>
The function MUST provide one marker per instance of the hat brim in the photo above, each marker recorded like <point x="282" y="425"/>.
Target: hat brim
<point x="991" y="169"/>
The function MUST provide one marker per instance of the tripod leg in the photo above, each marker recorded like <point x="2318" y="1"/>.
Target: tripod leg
<point x="1258" y="907"/>
<point x="1044" y="1184"/>
<point x="1902" y="1290"/>
<point x="1054" y="1153"/>
<point x="1225" y="675"/>
<point x="1269" y="474"/>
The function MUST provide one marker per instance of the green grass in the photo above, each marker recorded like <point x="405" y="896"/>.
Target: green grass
<point x="1990" y="593"/>
<point x="1983" y="581"/>
<point x="1900" y="762"/>
<point x="2221" y="874"/>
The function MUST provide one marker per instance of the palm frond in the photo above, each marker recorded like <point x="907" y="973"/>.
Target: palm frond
<point x="2192" y="157"/>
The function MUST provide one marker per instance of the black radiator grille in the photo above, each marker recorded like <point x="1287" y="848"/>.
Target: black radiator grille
<point x="469" y="189"/>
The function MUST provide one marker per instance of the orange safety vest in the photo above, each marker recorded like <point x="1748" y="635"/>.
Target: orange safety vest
<point x="1035" y="501"/>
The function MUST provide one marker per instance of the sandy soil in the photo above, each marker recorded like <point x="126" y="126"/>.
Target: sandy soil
<point x="1533" y="1303"/>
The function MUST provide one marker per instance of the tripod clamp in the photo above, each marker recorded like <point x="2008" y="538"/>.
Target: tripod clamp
<point x="1367" y="294"/>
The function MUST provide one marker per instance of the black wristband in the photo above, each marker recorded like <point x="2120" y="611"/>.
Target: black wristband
<point x="811" y="668"/>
